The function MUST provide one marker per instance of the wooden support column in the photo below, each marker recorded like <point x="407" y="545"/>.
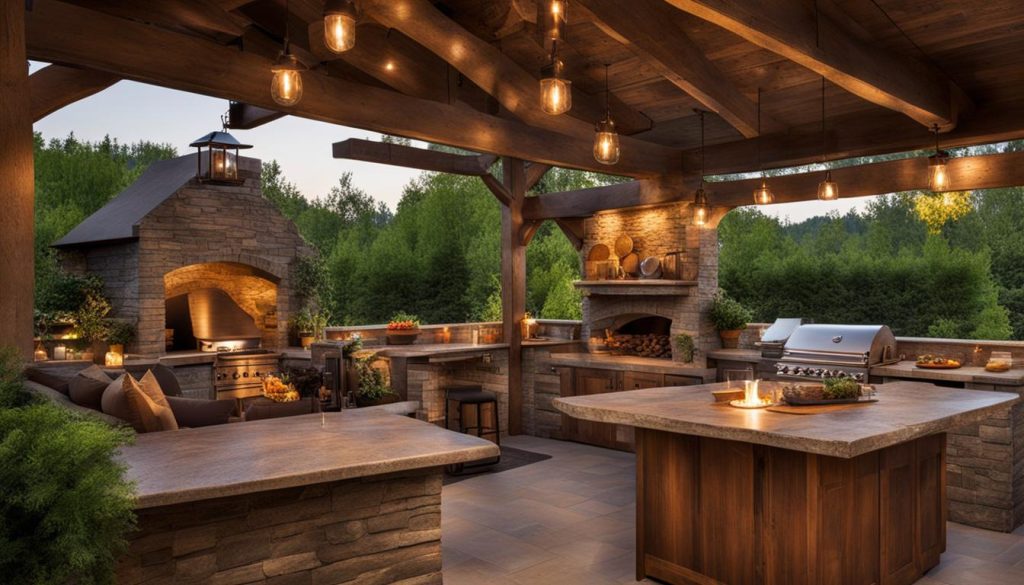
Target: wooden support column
<point x="17" y="184"/>
<point x="513" y="284"/>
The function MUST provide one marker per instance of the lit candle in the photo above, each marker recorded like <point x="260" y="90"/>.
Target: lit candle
<point x="446" y="335"/>
<point x="114" y="359"/>
<point x="60" y="353"/>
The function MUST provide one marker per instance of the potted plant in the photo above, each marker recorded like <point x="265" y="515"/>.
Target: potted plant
<point x="403" y="329"/>
<point x="119" y="334"/>
<point x="91" y="325"/>
<point x="729" y="318"/>
<point x="374" y="388"/>
<point x="309" y="325"/>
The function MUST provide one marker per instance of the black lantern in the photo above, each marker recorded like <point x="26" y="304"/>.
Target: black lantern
<point x="218" y="158"/>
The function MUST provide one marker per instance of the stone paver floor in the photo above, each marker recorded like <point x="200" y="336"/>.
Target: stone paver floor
<point x="569" y="520"/>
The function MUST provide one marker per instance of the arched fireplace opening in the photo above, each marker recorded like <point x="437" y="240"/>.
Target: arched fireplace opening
<point x="638" y="335"/>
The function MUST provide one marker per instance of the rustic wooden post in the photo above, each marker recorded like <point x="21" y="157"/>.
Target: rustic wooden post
<point x="17" y="183"/>
<point x="513" y="284"/>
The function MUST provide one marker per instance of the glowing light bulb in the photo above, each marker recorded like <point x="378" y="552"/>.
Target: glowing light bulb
<point x="828" y="190"/>
<point x="606" y="142"/>
<point x="763" y="195"/>
<point x="938" y="177"/>
<point x="555" y="92"/>
<point x="700" y="208"/>
<point x="286" y="86"/>
<point x="339" y="25"/>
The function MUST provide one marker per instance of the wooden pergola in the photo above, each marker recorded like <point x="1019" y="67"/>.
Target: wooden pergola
<point x="465" y="73"/>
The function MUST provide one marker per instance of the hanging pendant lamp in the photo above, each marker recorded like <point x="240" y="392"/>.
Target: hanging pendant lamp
<point x="606" y="139"/>
<point x="700" y="208"/>
<point x="938" y="177"/>
<point x="762" y="195"/>
<point x="555" y="90"/>
<point x="339" y="25"/>
<point x="286" y="86"/>
<point x="828" y="190"/>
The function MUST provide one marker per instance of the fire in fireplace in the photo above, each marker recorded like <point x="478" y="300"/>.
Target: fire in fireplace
<point x="644" y="336"/>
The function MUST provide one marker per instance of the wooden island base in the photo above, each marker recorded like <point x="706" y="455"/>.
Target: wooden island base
<point x="714" y="511"/>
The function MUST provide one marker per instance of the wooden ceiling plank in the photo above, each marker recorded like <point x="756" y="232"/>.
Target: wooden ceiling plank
<point x="200" y="15"/>
<point x="493" y="71"/>
<point x="56" y="86"/>
<point x="412" y="157"/>
<point x="899" y="83"/>
<point x="186" y="62"/>
<point x="651" y="35"/>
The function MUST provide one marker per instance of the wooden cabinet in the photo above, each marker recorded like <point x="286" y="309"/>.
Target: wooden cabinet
<point x="641" y="380"/>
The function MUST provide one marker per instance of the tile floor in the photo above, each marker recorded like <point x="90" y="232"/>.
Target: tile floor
<point x="569" y="520"/>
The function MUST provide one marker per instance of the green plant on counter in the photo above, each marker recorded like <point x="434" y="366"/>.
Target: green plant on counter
<point x="66" y="507"/>
<point x="840" y="388"/>
<point x="120" y="332"/>
<point x="687" y="348"/>
<point x="727" y="314"/>
<point x="311" y="321"/>
<point x="373" y="384"/>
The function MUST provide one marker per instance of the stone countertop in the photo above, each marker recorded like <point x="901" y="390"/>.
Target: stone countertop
<point x="905" y="411"/>
<point x="426" y="350"/>
<point x="976" y="375"/>
<point x="629" y="363"/>
<point x="225" y="460"/>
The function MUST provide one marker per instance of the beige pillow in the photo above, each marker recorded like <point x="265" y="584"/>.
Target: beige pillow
<point x="151" y="386"/>
<point x="115" y="403"/>
<point x="152" y="416"/>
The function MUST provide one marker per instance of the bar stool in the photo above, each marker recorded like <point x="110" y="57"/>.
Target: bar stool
<point x="464" y="396"/>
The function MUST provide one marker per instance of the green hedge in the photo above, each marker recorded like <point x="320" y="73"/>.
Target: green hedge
<point x="65" y="506"/>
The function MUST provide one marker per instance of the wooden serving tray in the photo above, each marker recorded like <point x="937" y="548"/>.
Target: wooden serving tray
<point x="819" y="408"/>
<point x="938" y="366"/>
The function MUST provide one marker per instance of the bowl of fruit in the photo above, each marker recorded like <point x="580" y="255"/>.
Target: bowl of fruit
<point x="279" y="389"/>
<point x="937" y="362"/>
<point x="403" y="329"/>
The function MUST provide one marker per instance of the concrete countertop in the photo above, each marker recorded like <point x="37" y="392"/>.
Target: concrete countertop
<point x="435" y="349"/>
<point x="967" y="374"/>
<point x="629" y="363"/>
<point x="737" y="355"/>
<point x="239" y="458"/>
<point x="905" y="411"/>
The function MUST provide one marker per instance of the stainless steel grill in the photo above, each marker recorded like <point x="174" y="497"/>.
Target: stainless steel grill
<point x="239" y="374"/>
<point x="836" y="351"/>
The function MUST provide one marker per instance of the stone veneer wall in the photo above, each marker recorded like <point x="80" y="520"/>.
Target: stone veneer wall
<point x="655" y="232"/>
<point x="204" y="223"/>
<point x="118" y="266"/>
<point x="428" y="381"/>
<point x="383" y="529"/>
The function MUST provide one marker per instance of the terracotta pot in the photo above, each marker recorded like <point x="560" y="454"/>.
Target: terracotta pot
<point x="402" y="336"/>
<point x="306" y="340"/>
<point x="386" y="399"/>
<point x="730" y="338"/>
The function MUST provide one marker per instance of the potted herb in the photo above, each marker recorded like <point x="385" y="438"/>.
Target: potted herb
<point x="309" y="325"/>
<point x="374" y="387"/>
<point x="686" y="347"/>
<point x="729" y="318"/>
<point x="403" y="329"/>
<point x="119" y="334"/>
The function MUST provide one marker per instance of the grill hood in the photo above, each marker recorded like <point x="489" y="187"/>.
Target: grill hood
<point x="216" y="321"/>
<point x="866" y="345"/>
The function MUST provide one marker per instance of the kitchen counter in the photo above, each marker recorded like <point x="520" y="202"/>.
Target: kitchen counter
<point x="905" y="411"/>
<point x="737" y="355"/>
<point x="426" y="350"/>
<point x="966" y="374"/>
<point x="629" y="364"/>
<point x="187" y="465"/>
<point x="726" y="495"/>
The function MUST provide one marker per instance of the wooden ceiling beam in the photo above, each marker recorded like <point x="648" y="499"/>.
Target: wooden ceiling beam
<point x="497" y="74"/>
<point x="414" y="158"/>
<point x="965" y="173"/>
<point x="189" y="63"/>
<point x="242" y="116"/>
<point x="646" y="28"/>
<point x="56" y="86"/>
<point x="199" y="15"/>
<point x="789" y="28"/>
<point x="534" y="173"/>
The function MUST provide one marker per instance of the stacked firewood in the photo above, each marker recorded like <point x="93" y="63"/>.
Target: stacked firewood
<point x="649" y="345"/>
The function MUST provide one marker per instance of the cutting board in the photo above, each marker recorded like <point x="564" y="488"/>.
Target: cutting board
<point x="818" y="409"/>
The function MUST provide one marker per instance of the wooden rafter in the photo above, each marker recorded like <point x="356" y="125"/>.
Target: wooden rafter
<point x="246" y="117"/>
<point x="573" y="229"/>
<point x="163" y="57"/>
<point x="965" y="173"/>
<point x="55" y="86"/>
<point x="494" y="72"/>
<point x="649" y="32"/>
<point x="414" y="158"/>
<point x="785" y="27"/>
<point x="534" y="173"/>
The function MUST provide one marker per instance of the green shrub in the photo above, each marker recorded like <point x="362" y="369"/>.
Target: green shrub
<point x="65" y="506"/>
<point x="727" y="314"/>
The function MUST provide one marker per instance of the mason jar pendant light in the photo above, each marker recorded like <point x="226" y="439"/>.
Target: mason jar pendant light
<point x="286" y="86"/>
<point x="606" y="139"/>
<point x="938" y="177"/>
<point x="339" y="25"/>
<point x="762" y="195"/>
<point x="828" y="190"/>
<point x="700" y="208"/>
<point x="555" y="91"/>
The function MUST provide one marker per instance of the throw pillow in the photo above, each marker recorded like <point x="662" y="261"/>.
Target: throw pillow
<point x="87" y="387"/>
<point x="60" y="383"/>
<point x="115" y="403"/>
<point x="152" y="416"/>
<point x="151" y="386"/>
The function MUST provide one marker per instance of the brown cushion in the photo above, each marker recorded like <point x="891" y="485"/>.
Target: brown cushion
<point x="87" y="387"/>
<point x="115" y="403"/>
<point x="196" y="412"/>
<point x="152" y="415"/>
<point x="60" y="383"/>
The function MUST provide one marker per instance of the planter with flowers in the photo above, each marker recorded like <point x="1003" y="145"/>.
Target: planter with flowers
<point x="403" y="329"/>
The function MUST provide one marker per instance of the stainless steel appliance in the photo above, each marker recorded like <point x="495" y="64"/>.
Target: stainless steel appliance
<point x="773" y="340"/>
<point x="208" y="319"/>
<point x="239" y="374"/>
<point x="836" y="351"/>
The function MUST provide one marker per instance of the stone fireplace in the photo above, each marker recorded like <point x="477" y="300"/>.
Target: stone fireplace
<point x="167" y="235"/>
<point x="653" y="309"/>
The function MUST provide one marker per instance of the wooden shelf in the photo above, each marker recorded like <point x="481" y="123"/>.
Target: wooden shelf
<point x="652" y="287"/>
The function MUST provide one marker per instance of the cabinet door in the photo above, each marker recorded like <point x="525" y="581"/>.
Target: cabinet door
<point x="589" y="381"/>
<point x="641" y="380"/>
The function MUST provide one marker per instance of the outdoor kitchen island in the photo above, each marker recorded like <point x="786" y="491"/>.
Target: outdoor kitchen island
<point x="734" y="496"/>
<point x="302" y="499"/>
